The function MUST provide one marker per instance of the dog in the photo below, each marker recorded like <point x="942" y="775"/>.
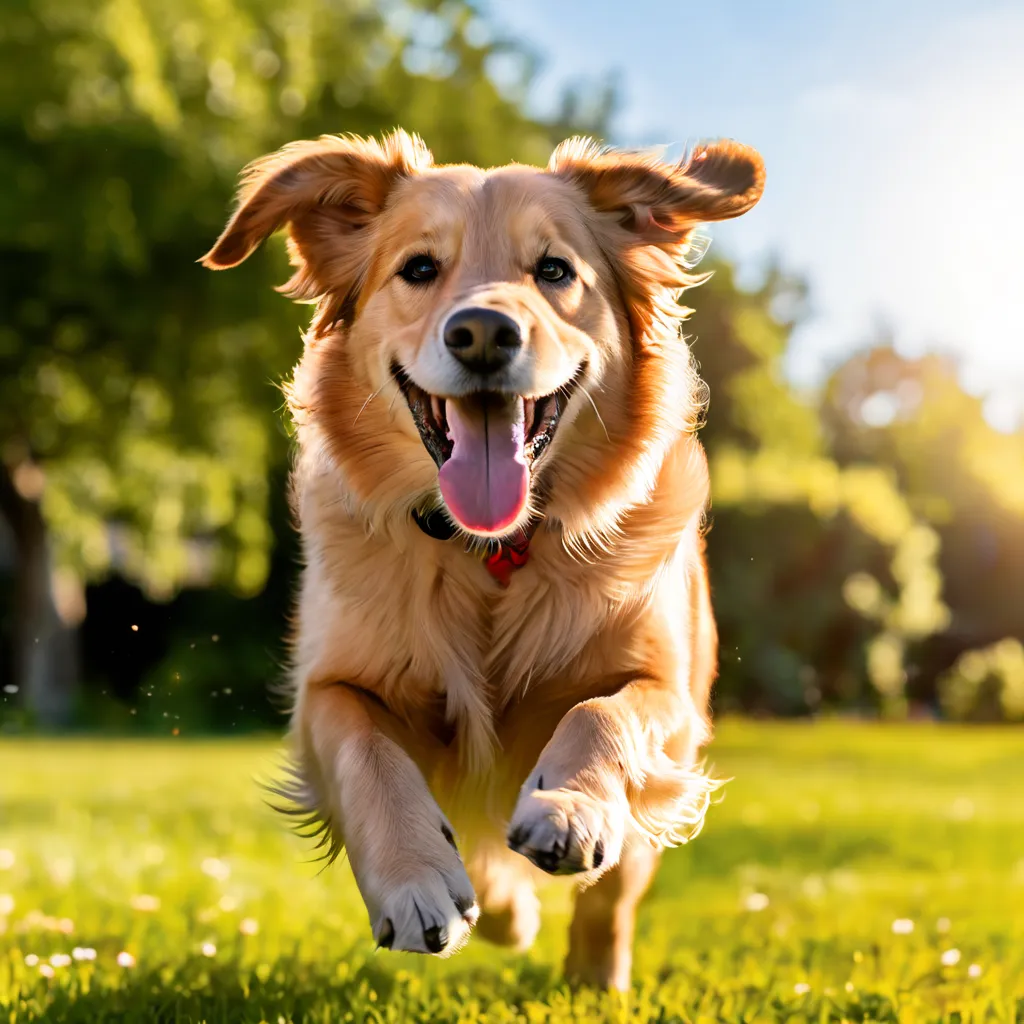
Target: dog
<point x="504" y="608"/>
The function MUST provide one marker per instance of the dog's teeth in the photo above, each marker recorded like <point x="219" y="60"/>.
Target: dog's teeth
<point x="528" y="407"/>
<point x="436" y="409"/>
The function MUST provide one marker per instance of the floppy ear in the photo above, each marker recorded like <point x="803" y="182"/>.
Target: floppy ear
<point x="650" y="209"/>
<point x="327" y="192"/>
<point x="658" y="202"/>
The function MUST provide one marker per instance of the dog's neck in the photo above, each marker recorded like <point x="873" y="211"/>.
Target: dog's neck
<point x="501" y="558"/>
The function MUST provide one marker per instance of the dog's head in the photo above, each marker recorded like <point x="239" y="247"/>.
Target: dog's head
<point x="504" y="341"/>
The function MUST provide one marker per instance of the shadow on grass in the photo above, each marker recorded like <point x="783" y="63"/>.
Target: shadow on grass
<point x="296" y="992"/>
<point x="360" y="988"/>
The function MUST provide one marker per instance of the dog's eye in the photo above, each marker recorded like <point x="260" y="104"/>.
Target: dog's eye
<point x="553" y="270"/>
<point x="419" y="270"/>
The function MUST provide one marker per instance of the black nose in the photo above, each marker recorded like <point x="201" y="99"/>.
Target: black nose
<point x="483" y="340"/>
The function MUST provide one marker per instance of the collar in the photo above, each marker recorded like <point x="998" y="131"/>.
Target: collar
<point x="501" y="558"/>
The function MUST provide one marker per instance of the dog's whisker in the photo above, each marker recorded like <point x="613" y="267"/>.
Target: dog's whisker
<point x="369" y="399"/>
<point x="597" y="413"/>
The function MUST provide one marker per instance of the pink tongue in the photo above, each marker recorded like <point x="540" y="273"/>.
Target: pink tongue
<point x="484" y="483"/>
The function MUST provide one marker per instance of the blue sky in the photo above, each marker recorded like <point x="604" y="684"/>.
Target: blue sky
<point x="894" y="139"/>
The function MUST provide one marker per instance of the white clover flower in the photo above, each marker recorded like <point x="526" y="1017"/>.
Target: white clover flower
<point x="974" y="971"/>
<point x="216" y="868"/>
<point x="7" y="860"/>
<point x="813" y="887"/>
<point x="83" y="953"/>
<point x="125" y="959"/>
<point x="145" y="903"/>
<point x="31" y="960"/>
<point x="902" y="926"/>
<point x="208" y="949"/>
<point x="962" y="809"/>
<point x="46" y="971"/>
<point x="950" y="958"/>
<point x="249" y="926"/>
<point x="801" y="988"/>
<point x="60" y="960"/>
<point x="756" y="902"/>
<point x="6" y="904"/>
<point x="62" y="870"/>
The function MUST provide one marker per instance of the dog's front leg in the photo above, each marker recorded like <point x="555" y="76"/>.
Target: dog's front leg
<point x="605" y="768"/>
<point x="615" y="767"/>
<point x="399" y="843"/>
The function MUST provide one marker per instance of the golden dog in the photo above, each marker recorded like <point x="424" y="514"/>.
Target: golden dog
<point x="504" y="608"/>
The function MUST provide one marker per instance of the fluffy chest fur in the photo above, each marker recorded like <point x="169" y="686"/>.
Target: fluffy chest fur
<point x="423" y="626"/>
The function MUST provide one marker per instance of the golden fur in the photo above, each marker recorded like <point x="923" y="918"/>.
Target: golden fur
<point x="569" y="710"/>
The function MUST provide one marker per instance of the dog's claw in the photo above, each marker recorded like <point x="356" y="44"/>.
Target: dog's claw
<point x="467" y="908"/>
<point x="430" y="912"/>
<point x="517" y="836"/>
<point x="552" y="860"/>
<point x="436" y="938"/>
<point x="567" y="832"/>
<point x="547" y="860"/>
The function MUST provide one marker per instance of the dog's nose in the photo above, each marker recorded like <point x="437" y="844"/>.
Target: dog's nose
<point x="483" y="340"/>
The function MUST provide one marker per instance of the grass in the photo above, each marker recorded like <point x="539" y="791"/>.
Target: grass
<point x="796" y="904"/>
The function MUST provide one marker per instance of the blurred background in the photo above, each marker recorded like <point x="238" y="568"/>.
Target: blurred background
<point x="861" y="334"/>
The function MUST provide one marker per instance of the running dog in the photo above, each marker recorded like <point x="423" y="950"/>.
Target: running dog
<point x="504" y="631"/>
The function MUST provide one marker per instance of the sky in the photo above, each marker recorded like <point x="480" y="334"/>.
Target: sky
<point x="893" y="135"/>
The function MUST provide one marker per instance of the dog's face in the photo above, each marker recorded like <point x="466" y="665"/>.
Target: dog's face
<point x="500" y="340"/>
<point x="484" y="303"/>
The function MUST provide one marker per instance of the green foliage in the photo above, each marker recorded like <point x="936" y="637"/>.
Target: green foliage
<point x="986" y="683"/>
<point x="856" y="500"/>
<point x="740" y="337"/>
<point x="958" y="474"/>
<point x="861" y="540"/>
<point x="825" y="574"/>
<point x="784" y="909"/>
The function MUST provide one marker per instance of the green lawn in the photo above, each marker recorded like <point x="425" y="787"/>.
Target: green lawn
<point x="851" y="872"/>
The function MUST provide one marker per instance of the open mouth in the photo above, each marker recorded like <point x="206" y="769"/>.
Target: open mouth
<point x="485" y="446"/>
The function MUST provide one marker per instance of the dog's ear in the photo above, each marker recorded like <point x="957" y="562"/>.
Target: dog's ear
<point x="327" y="192"/>
<point x="659" y="203"/>
<point x="648" y="211"/>
<point x="347" y="175"/>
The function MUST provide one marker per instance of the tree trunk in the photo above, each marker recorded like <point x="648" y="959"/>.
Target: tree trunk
<point x="45" y="648"/>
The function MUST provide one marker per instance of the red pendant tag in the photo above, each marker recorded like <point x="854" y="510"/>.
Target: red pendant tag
<point x="509" y="557"/>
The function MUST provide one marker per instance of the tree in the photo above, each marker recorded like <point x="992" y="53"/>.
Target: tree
<point x="822" y="574"/>
<point x="961" y="475"/>
<point x="138" y="427"/>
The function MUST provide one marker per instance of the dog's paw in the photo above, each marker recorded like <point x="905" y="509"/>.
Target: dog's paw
<point x="565" y="832"/>
<point x="421" y="900"/>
